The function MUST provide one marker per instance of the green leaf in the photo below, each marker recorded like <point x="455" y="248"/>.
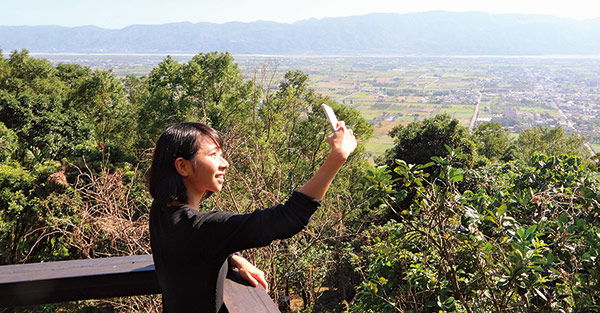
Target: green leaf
<point x="502" y="209"/>
<point x="455" y="175"/>
<point x="538" y="268"/>
<point x="563" y="217"/>
<point x="488" y="247"/>
<point x="437" y="159"/>
<point x="427" y="165"/>
<point x="555" y="271"/>
<point x="530" y="231"/>
<point x="550" y="258"/>
<point x="520" y="233"/>
<point x="586" y="256"/>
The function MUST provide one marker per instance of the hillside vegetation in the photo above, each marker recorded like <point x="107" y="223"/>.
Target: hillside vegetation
<point x="446" y="221"/>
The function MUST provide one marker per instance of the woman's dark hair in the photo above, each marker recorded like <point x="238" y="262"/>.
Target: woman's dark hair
<point x="180" y="140"/>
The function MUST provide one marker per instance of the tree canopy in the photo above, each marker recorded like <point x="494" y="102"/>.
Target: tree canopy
<point x="417" y="142"/>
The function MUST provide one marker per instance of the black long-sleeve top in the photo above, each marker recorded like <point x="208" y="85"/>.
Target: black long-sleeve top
<point x="190" y="248"/>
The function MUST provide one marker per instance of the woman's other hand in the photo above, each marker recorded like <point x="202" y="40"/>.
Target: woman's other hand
<point x="249" y="272"/>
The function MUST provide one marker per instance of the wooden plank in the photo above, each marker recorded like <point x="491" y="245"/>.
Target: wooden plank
<point x="75" y="268"/>
<point x="240" y="296"/>
<point x="40" y="283"/>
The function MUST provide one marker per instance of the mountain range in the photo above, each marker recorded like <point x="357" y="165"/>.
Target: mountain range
<point x="426" y="33"/>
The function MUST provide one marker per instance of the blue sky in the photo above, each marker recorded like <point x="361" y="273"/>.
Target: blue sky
<point x="121" y="13"/>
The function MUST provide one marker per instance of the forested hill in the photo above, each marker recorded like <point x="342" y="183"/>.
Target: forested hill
<point x="430" y="33"/>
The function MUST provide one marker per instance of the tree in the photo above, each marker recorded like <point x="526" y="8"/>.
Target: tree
<point x="549" y="141"/>
<point x="417" y="142"/>
<point x="27" y="74"/>
<point x="209" y="88"/>
<point x="100" y="97"/>
<point x="492" y="141"/>
<point x="44" y="127"/>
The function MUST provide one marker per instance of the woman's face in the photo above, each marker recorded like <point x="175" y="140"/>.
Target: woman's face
<point x="207" y="169"/>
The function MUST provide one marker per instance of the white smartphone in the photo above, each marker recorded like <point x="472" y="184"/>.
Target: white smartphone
<point x="330" y="116"/>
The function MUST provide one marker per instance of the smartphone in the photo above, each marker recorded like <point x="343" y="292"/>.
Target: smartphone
<point x="330" y="116"/>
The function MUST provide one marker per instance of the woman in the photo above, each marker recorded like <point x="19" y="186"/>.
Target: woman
<point x="193" y="250"/>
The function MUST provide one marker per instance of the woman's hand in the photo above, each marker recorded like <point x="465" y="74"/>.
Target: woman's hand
<point x="249" y="272"/>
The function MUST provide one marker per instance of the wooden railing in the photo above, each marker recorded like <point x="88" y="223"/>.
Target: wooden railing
<point x="51" y="282"/>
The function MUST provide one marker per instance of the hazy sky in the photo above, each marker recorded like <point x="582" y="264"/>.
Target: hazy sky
<point x="121" y="13"/>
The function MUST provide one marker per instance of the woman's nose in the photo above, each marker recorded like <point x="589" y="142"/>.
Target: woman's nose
<point x="224" y="163"/>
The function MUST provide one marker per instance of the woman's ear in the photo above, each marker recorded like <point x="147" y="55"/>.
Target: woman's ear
<point x="181" y="166"/>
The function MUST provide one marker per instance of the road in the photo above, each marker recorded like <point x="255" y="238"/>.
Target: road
<point x="350" y="95"/>
<point x="476" y="113"/>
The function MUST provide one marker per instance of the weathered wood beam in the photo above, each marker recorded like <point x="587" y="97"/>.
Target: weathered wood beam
<point x="51" y="282"/>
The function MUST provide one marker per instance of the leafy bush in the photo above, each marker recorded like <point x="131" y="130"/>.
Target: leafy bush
<point x="531" y="246"/>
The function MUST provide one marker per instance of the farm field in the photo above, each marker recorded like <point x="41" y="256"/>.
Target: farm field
<point x="517" y="92"/>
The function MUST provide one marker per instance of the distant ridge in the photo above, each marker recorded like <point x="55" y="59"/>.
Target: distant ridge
<point x="427" y="33"/>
